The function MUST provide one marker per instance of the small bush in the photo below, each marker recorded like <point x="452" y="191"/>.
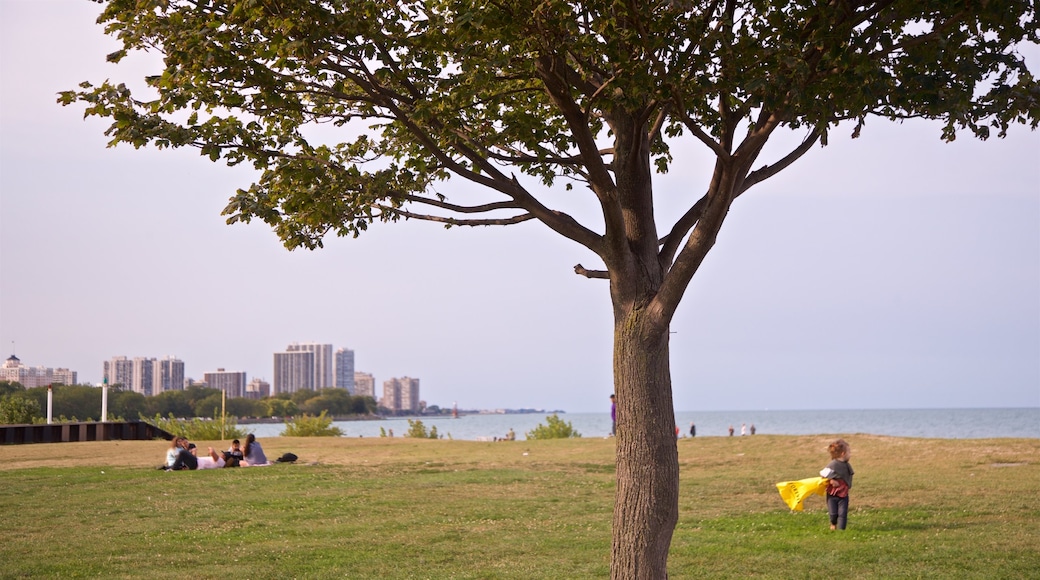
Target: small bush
<point x="311" y="426"/>
<point x="556" y="429"/>
<point x="18" y="409"/>
<point x="199" y="429"/>
<point x="417" y="430"/>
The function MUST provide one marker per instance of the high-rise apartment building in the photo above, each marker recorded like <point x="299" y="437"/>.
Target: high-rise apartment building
<point x="233" y="383"/>
<point x="322" y="369"/>
<point x="119" y="370"/>
<point x="141" y="375"/>
<point x="31" y="377"/>
<point x="391" y="399"/>
<point x="258" y="389"/>
<point x="409" y="394"/>
<point x="401" y="394"/>
<point x="148" y="376"/>
<point x="167" y="375"/>
<point x="364" y="385"/>
<point x="293" y="371"/>
<point x="64" y="376"/>
<point x="344" y="369"/>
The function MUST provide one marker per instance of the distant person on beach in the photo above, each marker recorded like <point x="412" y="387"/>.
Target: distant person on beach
<point x="752" y="428"/>
<point x="731" y="430"/>
<point x="839" y="481"/>
<point x="253" y="452"/>
<point x="693" y="429"/>
<point x="743" y="429"/>
<point x="613" y="415"/>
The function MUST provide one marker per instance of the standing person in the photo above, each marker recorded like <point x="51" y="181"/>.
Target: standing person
<point x="254" y="454"/>
<point x="613" y="415"/>
<point x="693" y="429"/>
<point x="752" y="428"/>
<point x="731" y="430"/>
<point x="743" y="429"/>
<point x="839" y="481"/>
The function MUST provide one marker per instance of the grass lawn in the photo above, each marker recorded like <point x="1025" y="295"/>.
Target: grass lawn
<point x="404" y="508"/>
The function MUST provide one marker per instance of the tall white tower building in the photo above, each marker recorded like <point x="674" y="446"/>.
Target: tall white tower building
<point x="322" y="369"/>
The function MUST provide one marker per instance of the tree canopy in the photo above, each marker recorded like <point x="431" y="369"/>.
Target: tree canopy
<point x="483" y="90"/>
<point x="364" y="111"/>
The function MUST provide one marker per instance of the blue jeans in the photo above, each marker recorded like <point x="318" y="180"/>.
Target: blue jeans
<point x="838" y="508"/>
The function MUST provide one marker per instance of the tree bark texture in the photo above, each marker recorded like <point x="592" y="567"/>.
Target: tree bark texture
<point x="646" y="504"/>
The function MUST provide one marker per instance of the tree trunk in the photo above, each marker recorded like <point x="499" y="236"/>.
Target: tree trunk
<point x="646" y="504"/>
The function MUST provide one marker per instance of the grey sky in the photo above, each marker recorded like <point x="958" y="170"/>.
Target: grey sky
<point x="889" y="271"/>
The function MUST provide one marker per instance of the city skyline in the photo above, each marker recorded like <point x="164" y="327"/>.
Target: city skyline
<point x="152" y="376"/>
<point x="894" y="270"/>
<point x="131" y="371"/>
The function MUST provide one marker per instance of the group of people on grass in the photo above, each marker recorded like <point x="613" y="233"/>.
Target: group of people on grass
<point x="184" y="455"/>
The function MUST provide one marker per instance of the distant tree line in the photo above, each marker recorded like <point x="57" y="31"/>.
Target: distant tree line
<point x="83" y="403"/>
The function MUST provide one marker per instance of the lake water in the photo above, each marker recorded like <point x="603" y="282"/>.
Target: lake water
<point x="930" y="423"/>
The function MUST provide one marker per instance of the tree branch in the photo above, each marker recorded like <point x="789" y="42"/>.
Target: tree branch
<point x="456" y="221"/>
<point x="662" y="116"/>
<point x="766" y="171"/>
<point x="581" y="271"/>
<point x="461" y="208"/>
<point x="670" y="243"/>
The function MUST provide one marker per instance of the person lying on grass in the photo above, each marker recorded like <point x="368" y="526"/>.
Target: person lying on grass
<point x="184" y="457"/>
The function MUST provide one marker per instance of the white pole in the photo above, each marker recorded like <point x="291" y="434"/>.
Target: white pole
<point x="50" y="404"/>
<point x="104" y="403"/>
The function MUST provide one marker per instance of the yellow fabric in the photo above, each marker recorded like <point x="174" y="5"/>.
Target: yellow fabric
<point x="794" y="492"/>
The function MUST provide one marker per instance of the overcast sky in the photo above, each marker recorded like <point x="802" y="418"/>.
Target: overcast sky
<point x="891" y="271"/>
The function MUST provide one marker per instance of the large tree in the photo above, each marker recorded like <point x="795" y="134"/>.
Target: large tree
<point x="541" y="101"/>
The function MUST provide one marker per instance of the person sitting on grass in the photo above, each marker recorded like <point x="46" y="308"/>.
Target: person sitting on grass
<point x="233" y="456"/>
<point x="254" y="454"/>
<point x="184" y="455"/>
<point x="171" y="453"/>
